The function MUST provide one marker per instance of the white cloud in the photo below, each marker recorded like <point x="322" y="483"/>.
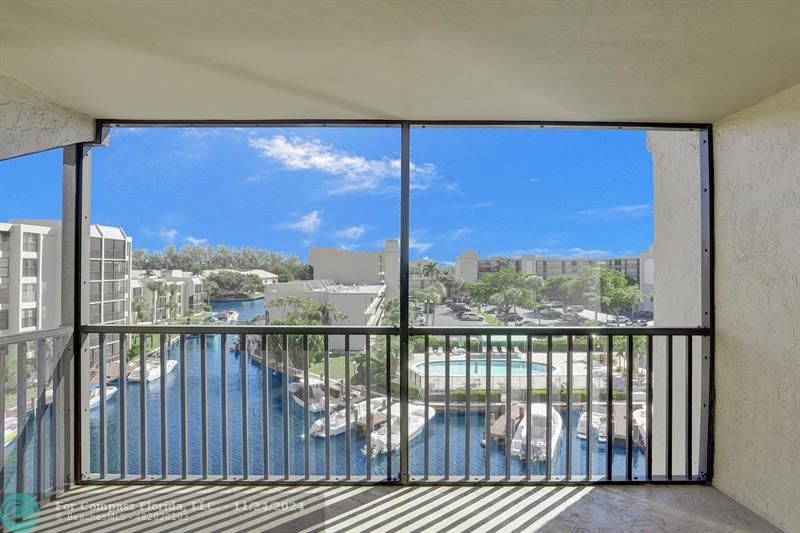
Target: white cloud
<point x="620" y="211"/>
<point x="307" y="223"/>
<point x="164" y="233"/>
<point x="353" y="233"/>
<point x="355" y="173"/>
<point x="419" y="246"/>
<point x="195" y="240"/>
<point x="580" y="252"/>
<point x="456" y="234"/>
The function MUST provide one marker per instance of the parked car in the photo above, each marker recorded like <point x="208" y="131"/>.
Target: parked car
<point x="471" y="316"/>
<point x="575" y="308"/>
<point x="511" y="317"/>
<point x="459" y="308"/>
<point x="549" y="313"/>
<point x="643" y="315"/>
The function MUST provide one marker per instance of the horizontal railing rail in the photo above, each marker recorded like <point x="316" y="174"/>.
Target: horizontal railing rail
<point x="317" y="403"/>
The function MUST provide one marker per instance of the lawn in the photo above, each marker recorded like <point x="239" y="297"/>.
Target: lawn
<point x="336" y="363"/>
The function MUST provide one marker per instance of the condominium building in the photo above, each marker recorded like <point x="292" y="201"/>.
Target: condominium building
<point x="359" y="305"/>
<point x="30" y="279"/>
<point x="470" y="267"/>
<point x="165" y="295"/>
<point x="267" y="278"/>
<point x="109" y="285"/>
<point x="348" y="267"/>
<point x="30" y="266"/>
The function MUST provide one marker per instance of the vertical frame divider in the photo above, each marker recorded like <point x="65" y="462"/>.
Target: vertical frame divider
<point x="689" y="414"/>
<point x="568" y="433"/>
<point x="405" y="206"/>
<point x="427" y="450"/>
<point x="327" y="409"/>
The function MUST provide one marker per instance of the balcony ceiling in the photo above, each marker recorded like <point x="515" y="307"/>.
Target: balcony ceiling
<point x="674" y="61"/>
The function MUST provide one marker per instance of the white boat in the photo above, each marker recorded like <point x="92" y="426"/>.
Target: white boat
<point x="538" y="450"/>
<point x="358" y="412"/>
<point x="10" y="430"/>
<point x="381" y="442"/>
<point x="228" y="315"/>
<point x="316" y="394"/>
<point x="153" y="370"/>
<point x="598" y="422"/>
<point x="640" y="427"/>
<point x="94" y="395"/>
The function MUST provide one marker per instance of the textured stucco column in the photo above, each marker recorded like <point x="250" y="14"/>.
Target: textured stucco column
<point x="757" y="214"/>
<point x="677" y="287"/>
<point x="31" y="122"/>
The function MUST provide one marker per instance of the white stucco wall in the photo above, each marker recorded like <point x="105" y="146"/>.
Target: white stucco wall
<point x="677" y="280"/>
<point x="757" y="213"/>
<point x="31" y="122"/>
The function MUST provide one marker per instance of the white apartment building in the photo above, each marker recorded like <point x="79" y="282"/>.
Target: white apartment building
<point x="361" y="304"/>
<point x="347" y="267"/>
<point x="470" y="267"/>
<point x="30" y="277"/>
<point x="267" y="278"/>
<point x="109" y="285"/>
<point x="167" y="295"/>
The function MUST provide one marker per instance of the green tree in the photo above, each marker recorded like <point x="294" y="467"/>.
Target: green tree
<point x="229" y="284"/>
<point x="618" y="293"/>
<point x="303" y="312"/>
<point x="506" y="289"/>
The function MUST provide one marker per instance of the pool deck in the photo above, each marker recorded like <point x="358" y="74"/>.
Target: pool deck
<point x="349" y="508"/>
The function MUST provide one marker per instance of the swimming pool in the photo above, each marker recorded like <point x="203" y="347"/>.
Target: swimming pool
<point x="477" y="367"/>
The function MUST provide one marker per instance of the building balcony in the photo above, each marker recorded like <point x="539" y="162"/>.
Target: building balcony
<point x="686" y="427"/>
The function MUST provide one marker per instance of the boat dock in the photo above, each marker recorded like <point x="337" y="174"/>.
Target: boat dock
<point x="498" y="428"/>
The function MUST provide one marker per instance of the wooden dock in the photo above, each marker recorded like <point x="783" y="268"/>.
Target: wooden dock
<point x="498" y="429"/>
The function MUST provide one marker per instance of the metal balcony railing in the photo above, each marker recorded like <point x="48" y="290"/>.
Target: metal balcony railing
<point x="34" y="398"/>
<point x="323" y="403"/>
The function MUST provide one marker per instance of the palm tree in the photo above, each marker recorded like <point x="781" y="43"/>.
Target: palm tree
<point x="432" y="295"/>
<point x="431" y="270"/>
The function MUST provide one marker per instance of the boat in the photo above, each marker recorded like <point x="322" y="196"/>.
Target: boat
<point x="538" y="449"/>
<point x="153" y="371"/>
<point x="358" y="412"/>
<point x="382" y="442"/>
<point x="10" y="430"/>
<point x="228" y="315"/>
<point x="94" y="395"/>
<point x="640" y="427"/>
<point x="598" y="422"/>
<point x="316" y="394"/>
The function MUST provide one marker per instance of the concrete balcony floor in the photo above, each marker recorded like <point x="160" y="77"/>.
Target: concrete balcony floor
<point x="382" y="508"/>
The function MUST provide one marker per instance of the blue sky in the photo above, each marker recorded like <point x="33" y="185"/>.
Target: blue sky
<point x="501" y="191"/>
